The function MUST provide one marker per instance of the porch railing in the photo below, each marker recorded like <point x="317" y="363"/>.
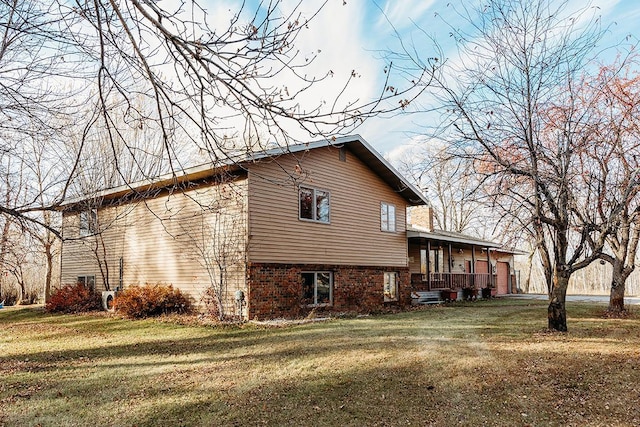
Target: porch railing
<point x="453" y="280"/>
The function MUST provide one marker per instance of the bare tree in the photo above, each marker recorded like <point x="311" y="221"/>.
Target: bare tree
<point x="218" y="242"/>
<point x="612" y="167"/>
<point x="188" y="83"/>
<point x="33" y="49"/>
<point x="11" y="242"/>
<point x="449" y="182"/>
<point x="511" y="104"/>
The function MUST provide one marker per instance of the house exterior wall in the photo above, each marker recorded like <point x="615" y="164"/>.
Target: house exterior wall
<point x="163" y="238"/>
<point x="415" y="264"/>
<point x="176" y="238"/>
<point x="353" y="236"/>
<point x="275" y="289"/>
<point x="352" y="246"/>
<point x="81" y="256"/>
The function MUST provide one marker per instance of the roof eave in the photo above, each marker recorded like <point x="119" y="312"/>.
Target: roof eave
<point x="450" y="239"/>
<point x="355" y="143"/>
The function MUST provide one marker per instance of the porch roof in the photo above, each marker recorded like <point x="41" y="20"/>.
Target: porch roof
<point x="414" y="231"/>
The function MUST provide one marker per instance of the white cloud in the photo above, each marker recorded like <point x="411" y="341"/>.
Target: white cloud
<point x="343" y="37"/>
<point x="401" y="13"/>
<point x="402" y="153"/>
<point x="336" y="35"/>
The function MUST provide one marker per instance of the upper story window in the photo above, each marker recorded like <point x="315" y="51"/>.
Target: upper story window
<point x="88" y="222"/>
<point x="314" y="204"/>
<point x="387" y="217"/>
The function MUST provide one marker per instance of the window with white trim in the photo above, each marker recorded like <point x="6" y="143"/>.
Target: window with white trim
<point x="88" y="222"/>
<point x="391" y="286"/>
<point x="387" y="217"/>
<point x="317" y="287"/>
<point x="88" y="281"/>
<point x="314" y="204"/>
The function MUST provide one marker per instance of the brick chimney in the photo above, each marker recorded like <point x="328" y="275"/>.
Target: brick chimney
<point x="422" y="216"/>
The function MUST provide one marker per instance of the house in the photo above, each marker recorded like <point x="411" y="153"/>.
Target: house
<point x="321" y="224"/>
<point x="448" y="261"/>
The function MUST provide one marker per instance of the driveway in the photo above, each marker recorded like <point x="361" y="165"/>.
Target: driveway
<point x="603" y="299"/>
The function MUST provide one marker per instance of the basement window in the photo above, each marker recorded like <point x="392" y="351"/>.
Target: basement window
<point x="317" y="287"/>
<point x="390" y="286"/>
<point x="88" y="282"/>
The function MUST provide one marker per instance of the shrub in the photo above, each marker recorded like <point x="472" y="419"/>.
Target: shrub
<point x="30" y="297"/>
<point x="9" y="296"/>
<point x="151" y="300"/>
<point x="211" y="304"/>
<point x="231" y="313"/>
<point x="74" y="299"/>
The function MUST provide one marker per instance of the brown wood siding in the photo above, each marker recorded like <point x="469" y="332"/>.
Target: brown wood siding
<point x="414" y="258"/>
<point x="354" y="235"/>
<point x="76" y="256"/>
<point x="166" y="240"/>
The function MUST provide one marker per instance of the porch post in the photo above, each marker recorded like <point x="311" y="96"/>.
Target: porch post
<point x="449" y="262"/>
<point x="473" y="266"/>
<point x="473" y="259"/>
<point x="489" y="269"/>
<point x="428" y="257"/>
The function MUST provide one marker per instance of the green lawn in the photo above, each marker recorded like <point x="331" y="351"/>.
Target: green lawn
<point x="484" y="363"/>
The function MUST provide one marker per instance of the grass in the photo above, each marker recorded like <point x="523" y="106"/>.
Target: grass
<point x="484" y="363"/>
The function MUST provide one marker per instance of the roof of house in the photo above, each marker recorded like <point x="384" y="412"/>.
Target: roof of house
<point x="354" y="143"/>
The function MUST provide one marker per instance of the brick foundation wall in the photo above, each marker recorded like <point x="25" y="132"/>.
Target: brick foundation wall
<point x="275" y="290"/>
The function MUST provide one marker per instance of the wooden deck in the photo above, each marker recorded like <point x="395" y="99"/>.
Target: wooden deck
<point x="440" y="281"/>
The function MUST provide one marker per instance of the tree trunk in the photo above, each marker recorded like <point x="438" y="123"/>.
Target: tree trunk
<point x="23" y="291"/>
<point x="49" y="273"/>
<point x="4" y="238"/>
<point x="616" y="296"/>
<point x="557" y="311"/>
<point x="529" y="268"/>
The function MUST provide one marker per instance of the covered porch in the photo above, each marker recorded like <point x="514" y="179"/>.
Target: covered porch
<point x="438" y="281"/>
<point x="454" y="263"/>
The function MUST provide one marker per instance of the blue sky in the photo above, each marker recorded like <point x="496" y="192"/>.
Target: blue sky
<point x="349" y="35"/>
<point x="391" y="136"/>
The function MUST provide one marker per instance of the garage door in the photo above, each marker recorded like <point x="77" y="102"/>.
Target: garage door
<point x="502" y="277"/>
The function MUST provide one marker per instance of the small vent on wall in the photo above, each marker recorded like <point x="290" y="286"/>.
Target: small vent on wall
<point x="342" y="154"/>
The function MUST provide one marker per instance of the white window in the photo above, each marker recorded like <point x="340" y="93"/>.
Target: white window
<point x="317" y="287"/>
<point x="88" y="281"/>
<point x="88" y="222"/>
<point x="314" y="204"/>
<point x="387" y="217"/>
<point x="391" y="286"/>
<point x="436" y="260"/>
